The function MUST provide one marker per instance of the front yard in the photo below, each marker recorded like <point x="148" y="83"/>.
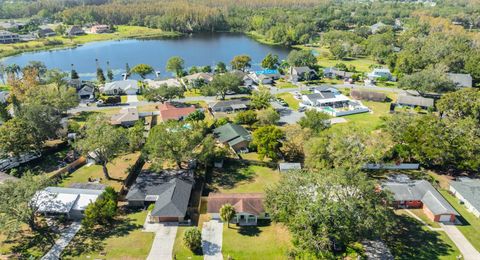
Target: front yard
<point x="256" y="242"/>
<point x="123" y="240"/>
<point x="290" y="100"/>
<point x="180" y="251"/>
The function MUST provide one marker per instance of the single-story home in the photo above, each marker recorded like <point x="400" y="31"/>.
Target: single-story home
<point x="461" y="80"/>
<point x="265" y="76"/>
<point x="197" y="80"/>
<point x="171" y="112"/>
<point x="414" y="101"/>
<point x="70" y="202"/>
<point x="126" y="117"/>
<point x="45" y="32"/>
<point x="232" y="105"/>
<point x="248" y="207"/>
<point x="333" y="72"/>
<point x="301" y="73"/>
<point x="75" y="30"/>
<point x="468" y="192"/>
<point x="246" y="78"/>
<point x="100" y="28"/>
<point x="286" y="167"/>
<point x="235" y="136"/>
<point x="380" y="73"/>
<point x="128" y="87"/>
<point x="169" y="191"/>
<point x="421" y="194"/>
<point x="8" y="37"/>
<point x="170" y="82"/>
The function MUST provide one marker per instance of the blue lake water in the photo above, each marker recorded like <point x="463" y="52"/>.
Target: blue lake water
<point x="196" y="50"/>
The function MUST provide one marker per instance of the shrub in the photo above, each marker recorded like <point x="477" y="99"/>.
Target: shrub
<point x="192" y="238"/>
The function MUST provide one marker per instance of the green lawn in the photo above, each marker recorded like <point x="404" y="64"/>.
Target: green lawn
<point x="117" y="170"/>
<point x="123" y="240"/>
<point x="238" y="177"/>
<point x="256" y="242"/>
<point x="471" y="227"/>
<point x="180" y="251"/>
<point x="410" y="239"/>
<point x="280" y="84"/>
<point x="192" y="93"/>
<point x="290" y="100"/>
<point x="369" y="121"/>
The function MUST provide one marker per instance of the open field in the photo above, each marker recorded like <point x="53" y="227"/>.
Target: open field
<point x="116" y="169"/>
<point x="256" y="242"/>
<point x="56" y="42"/>
<point x="123" y="240"/>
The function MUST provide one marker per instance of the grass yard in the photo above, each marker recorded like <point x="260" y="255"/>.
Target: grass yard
<point x="290" y="100"/>
<point x="471" y="224"/>
<point x="116" y="169"/>
<point x="238" y="177"/>
<point x="371" y="120"/>
<point x="413" y="240"/>
<point x="124" y="240"/>
<point x="192" y="93"/>
<point x="284" y="84"/>
<point x="256" y="242"/>
<point x="55" y="42"/>
<point x="180" y="251"/>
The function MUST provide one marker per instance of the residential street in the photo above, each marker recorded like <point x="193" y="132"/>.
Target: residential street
<point x="66" y="236"/>
<point x="468" y="251"/>
<point x="212" y="233"/>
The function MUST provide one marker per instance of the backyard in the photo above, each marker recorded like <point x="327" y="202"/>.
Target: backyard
<point x="239" y="177"/>
<point x="117" y="170"/>
<point x="124" y="239"/>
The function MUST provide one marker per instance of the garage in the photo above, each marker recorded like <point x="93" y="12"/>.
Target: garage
<point x="445" y="218"/>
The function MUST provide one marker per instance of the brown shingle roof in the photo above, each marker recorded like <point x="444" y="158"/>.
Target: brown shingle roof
<point x="242" y="202"/>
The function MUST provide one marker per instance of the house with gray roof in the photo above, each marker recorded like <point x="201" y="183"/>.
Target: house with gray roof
<point x="75" y="31"/>
<point x="468" y="192"/>
<point x="8" y="37"/>
<point x="421" y="194"/>
<point x="414" y="101"/>
<point x="230" y="105"/>
<point x="461" y="80"/>
<point x="333" y="72"/>
<point x="3" y="96"/>
<point x="301" y="73"/>
<point x="128" y="87"/>
<point x="235" y="136"/>
<point x="168" y="191"/>
<point x="286" y="167"/>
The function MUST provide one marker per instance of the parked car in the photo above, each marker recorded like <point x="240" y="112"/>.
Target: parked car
<point x="302" y="109"/>
<point x="282" y="102"/>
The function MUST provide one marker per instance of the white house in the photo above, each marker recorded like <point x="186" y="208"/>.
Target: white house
<point x="332" y="103"/>
<point x="380" y="73"/>
<point x="468" y="192"/>
<point x="129" y="87"/>
<point x="171" y="82"/>
<point x="70" y="202"/>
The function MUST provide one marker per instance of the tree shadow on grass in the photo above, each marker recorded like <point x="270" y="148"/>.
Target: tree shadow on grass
<point x="93" y="240"/>
<point x="231" y="174"/>
<point x="410" y="240"/>
<point x="27" y="244"/>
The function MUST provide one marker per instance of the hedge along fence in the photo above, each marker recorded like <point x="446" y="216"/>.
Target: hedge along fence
<point x="67" y="170"/>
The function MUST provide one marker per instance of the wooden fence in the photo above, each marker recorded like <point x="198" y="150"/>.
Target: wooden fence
<point x="69" y="168"/>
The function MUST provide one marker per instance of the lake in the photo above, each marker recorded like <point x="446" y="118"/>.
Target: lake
<point x="196" y="50"/>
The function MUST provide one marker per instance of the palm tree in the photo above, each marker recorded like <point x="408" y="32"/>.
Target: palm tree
<point x="2" y="72"/>
<point x="12" y="69"/>
<point x="227" y="212"/>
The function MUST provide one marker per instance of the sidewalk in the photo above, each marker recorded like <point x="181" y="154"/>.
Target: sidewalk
<point x="65" y="238"/>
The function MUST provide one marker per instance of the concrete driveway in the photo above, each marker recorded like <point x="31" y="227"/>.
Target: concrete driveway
<point x="289" y="116"/>
<point x="65" y="238"/>
<point x="162" y="247"/>
<point x="212" y="236"/>
<point x="132" y="98"/>
<point x="467" y="250"/>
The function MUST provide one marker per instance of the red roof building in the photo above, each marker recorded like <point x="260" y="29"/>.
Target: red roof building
<point x="171" y="112"/>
